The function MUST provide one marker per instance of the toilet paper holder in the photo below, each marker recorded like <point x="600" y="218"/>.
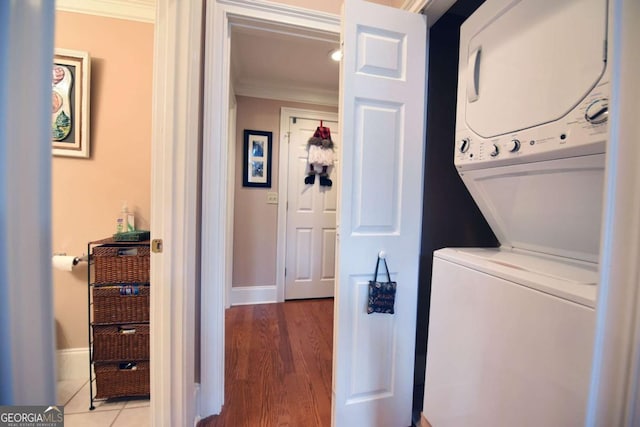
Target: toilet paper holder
<point x="76" y="260"/>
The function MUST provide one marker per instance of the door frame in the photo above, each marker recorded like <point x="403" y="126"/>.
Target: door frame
<point x="286" y="113"/>
<point x="176" y="137"/>
<point x="231" y="185"/>
<point x="216" y="196"/>
<point x="615" y="375"/>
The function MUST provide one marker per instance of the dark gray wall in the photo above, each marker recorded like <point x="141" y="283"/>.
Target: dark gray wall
<point x="450" y="216"/>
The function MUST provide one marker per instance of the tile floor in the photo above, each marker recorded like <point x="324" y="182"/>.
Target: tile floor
<point x="126" y="412"/>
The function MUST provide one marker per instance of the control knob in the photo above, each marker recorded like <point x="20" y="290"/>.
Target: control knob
<point x="464" y="145"/>
<point x="598" y="111"/>
<point x="495" y="151"/>
<point x="514" y="145"/>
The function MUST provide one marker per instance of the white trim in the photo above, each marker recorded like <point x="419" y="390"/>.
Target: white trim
<point x="286" y="113"/>
<point x="231" y="185"/>
<point x="415" y="6"/>
<point x="215" y="193"/>
<point x="245" y="295"/>
<point x="614" y="398"/>
<point x="174" y="197"/>
<point x="277" y="30"/>
<point x="287" y="93"/>
<point x="133" y="10"/>
<point x="281" y="14"/>
<point x="215" y="200"/>
<point x="433" y="9"/>
<point x="73" y="363"/>
<point x="196" y="398"/>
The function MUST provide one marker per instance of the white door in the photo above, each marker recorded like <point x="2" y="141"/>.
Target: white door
<point x="311" y="218"/>
<point x="380" y="208"/>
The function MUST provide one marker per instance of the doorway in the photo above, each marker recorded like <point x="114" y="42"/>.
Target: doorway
<point x="394" y="137"/>
<point x="268" y="92"/>
<point x="307" y="26"/>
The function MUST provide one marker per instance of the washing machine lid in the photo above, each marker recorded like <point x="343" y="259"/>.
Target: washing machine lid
<point x="571" y="280"/>
<point x="530" y="62"/>
<point x="551" y="207"/>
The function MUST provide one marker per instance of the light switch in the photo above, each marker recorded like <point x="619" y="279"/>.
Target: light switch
<point x="272" y="198"/>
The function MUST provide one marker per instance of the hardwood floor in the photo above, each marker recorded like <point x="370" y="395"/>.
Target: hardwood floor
<point x="278" y="365"/>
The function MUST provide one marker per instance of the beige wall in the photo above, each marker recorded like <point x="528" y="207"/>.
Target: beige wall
<point x="87" y="193"/>
<point x="255" y="222"/>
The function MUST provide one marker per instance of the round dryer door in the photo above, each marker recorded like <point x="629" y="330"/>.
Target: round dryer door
<point x="531" y="62"/>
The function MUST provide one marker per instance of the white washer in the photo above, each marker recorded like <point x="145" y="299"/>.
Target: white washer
<point x="511" y="328"/>
<point x="510" y="340"/>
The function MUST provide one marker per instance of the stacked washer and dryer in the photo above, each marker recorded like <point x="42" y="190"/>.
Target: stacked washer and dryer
<point x="511" y="329"/>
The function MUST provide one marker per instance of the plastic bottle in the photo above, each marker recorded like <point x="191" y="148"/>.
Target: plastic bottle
<point x="131" y="226"/>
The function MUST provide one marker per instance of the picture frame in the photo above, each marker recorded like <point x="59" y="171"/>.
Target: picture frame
<point x="258" y="148"/>
<point x="70" y="101"/>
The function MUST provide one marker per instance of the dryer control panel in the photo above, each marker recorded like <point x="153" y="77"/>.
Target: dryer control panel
<point x="581" y="132"/>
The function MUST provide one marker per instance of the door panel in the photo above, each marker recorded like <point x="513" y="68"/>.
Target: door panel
<point x="377" y="160"/>
<point x="311" y="219"/>
<point x="328" y="270"/>
<point x="303" y="249"/>
<point x="380" y="208"/>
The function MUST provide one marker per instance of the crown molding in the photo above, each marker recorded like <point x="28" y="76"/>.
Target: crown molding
<point x="261" y="8"/>
<point x="133" y="10"/>
<point x="286" y="93"/>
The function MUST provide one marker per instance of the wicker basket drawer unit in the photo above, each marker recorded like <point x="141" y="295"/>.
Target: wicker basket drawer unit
<point x="120" y="304"/>
<point x="119" y="379"/>
<point x="120" y="342"/>
<point x="118" y="264"/>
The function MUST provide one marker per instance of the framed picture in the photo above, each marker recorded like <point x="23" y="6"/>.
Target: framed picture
<point x="70" y="103"/>
<point x="257" y="159"/>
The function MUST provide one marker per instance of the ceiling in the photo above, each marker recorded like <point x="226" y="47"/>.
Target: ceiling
<point x="272" y="63"/>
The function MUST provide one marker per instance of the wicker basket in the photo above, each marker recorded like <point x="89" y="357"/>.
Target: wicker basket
<point x="120" y="304"/>
<point x="120" y="342"/>
<point x="121" y="264"/>
<point x="122" y="379"/>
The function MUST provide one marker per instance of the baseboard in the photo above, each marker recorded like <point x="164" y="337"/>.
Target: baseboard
<point x="424" y="422"/>
<point x="73" y="363"/>
<point x="243" y="295"/>
<point x="196" y="398"/>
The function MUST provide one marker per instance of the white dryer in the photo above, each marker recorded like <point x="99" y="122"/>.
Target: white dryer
<point x="511" y="328"/>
